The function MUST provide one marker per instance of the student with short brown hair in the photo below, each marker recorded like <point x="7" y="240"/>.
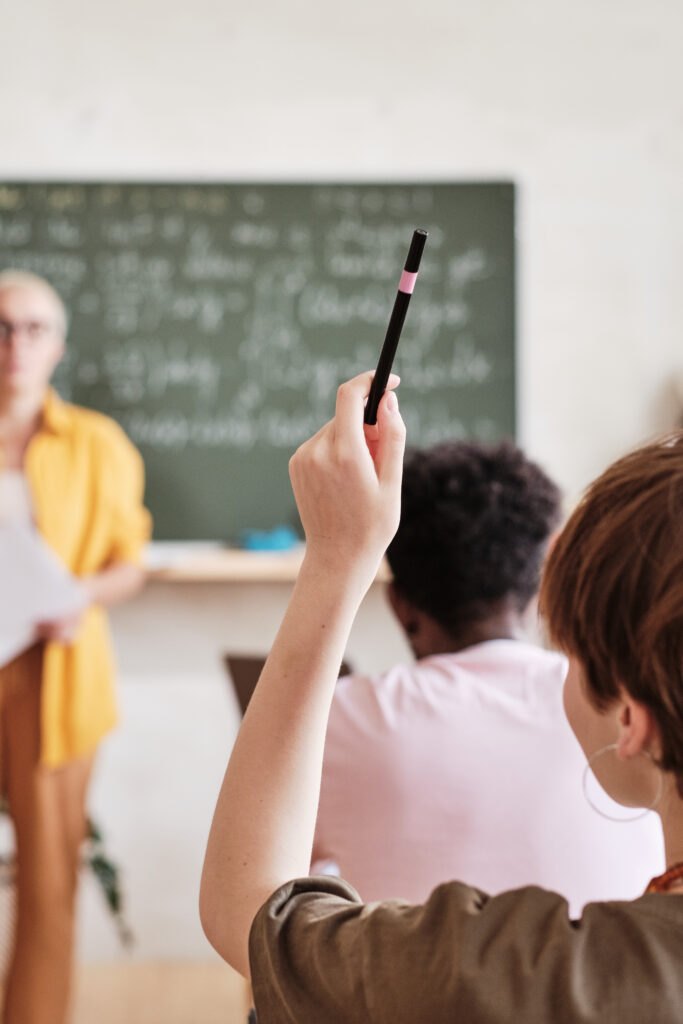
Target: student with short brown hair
<point x="613" y="592"/>
<point x="315" y="952"/>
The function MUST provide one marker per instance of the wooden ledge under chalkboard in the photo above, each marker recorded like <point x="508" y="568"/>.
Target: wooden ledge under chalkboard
<point x="206" y="563"/>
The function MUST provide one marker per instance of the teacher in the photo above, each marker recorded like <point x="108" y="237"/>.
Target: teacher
<point x="74" y="475"/>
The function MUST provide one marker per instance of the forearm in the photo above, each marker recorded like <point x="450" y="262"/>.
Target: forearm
<point x="262" y="832"/>
<point x="347" y="489"/>
<point x="114" y="584"/>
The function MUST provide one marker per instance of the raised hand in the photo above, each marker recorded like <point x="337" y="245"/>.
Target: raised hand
<point x="347" y="481"/>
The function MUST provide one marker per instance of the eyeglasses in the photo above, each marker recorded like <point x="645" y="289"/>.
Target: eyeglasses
<point x="34" y="330"/>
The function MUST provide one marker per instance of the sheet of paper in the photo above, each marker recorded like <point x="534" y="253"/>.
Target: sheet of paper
<point x="34" y="587"/>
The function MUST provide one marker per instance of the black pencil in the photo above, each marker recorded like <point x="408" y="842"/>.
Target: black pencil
<point x="398" y="315"/>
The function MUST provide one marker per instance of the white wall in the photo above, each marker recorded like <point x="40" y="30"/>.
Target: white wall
<point x="581" y="104"/>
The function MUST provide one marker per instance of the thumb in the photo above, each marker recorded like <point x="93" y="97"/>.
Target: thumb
<point x="391" y="442"/>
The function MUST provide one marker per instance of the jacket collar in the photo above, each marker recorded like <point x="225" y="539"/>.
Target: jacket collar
<point x="55" y="417"/>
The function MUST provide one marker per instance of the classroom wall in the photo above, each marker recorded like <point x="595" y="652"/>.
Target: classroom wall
<point x="158" y="775"/>
<point x="581" y="105"/>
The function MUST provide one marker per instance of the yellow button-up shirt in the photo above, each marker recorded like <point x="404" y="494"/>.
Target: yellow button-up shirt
<point x="87" y="482"/>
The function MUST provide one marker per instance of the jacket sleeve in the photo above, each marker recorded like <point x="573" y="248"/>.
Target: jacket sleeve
<point x="124" y="484"/>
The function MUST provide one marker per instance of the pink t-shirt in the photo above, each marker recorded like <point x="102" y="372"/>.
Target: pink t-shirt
<point x="462" y="766"/>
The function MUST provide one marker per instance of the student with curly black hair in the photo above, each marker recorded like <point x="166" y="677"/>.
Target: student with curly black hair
<point x="461" y="764"/>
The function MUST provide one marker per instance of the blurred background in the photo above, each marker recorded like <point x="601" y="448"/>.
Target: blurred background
<point x="580" y="107"/>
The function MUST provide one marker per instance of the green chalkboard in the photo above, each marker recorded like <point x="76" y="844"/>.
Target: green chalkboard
<point x="215" y="321"/>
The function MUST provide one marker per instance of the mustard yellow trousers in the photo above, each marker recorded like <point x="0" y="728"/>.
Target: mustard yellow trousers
<point x="47" y="807"/>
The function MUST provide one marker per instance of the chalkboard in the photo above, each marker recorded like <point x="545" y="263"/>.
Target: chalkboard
<point x="215" y="321"/>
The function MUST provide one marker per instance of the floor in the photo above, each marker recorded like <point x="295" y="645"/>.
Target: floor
<point x="160" y="993"/>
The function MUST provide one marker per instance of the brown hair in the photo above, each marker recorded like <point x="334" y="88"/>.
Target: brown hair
<point x="612" y="589"/>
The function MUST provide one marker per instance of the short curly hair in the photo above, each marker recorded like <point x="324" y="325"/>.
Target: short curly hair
<point x="475" y="523"/>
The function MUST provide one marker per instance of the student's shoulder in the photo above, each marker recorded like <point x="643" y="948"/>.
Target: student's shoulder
<point x="464" y="954"/>
<point x="550" y="662"/>
<point x="520" y="657"/>
<point x="371" y="703"/>
<point x="370" y="685"/>
<point x="355" y="687"/>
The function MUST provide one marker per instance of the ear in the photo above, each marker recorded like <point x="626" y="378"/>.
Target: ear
<point x="395" y="600"/>
<point x="58" y="354"/>
<point x="637" y="729"/>
<point x="405" y="612"/>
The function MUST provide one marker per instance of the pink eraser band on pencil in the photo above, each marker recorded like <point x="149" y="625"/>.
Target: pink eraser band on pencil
<point x="407" y="282"/>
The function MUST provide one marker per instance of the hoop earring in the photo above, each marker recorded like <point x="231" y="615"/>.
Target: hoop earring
<point x="611" y="817"/>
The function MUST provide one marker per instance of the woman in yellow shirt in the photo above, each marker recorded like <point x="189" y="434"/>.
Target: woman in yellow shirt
<point x="75" y="474"/>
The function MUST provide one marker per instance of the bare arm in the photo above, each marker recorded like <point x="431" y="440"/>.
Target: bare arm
<point x="114" y="584"/>
<point x="348" y="493"/>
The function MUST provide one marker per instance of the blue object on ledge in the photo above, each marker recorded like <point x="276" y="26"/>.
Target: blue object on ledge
<point x="281" y="538"/>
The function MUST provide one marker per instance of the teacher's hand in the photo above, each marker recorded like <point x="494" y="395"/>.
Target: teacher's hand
<point x="347" y="481"/>
<point x="60" y="631"/>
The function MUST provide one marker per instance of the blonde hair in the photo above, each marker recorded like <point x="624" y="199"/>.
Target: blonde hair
<point x="25" y="279"/>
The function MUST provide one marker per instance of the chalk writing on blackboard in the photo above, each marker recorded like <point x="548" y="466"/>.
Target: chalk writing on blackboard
<point x="215" y="322"/>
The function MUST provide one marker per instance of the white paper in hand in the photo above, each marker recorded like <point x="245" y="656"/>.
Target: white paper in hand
<point x="34" y="587"/>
